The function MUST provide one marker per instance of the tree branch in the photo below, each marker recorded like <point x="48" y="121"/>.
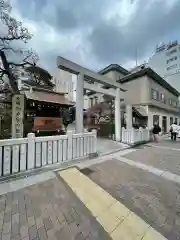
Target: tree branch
<point x="8" y="48"/>
<point x="29" y="60"/>
<point x="2" y="73"/>
<point x="20" y="64"/>
<point x="12" y="31"/>
<point x="11" y="38"/>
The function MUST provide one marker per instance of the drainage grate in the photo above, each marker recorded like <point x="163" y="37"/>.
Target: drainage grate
<point x="87" y="171"/>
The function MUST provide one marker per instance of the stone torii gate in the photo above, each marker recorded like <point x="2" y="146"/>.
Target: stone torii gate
<point x="86" y="74"/>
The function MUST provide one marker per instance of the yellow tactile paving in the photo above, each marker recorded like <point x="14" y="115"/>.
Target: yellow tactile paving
<point x="115" y="218"/>
<point x="152" y="234"/>
<point x="108" y="220"/>
<point x="121" y="233"/>
<point x="96" y="207"/>
<point x="135" y="225"/>
<point x="120" y="210"/>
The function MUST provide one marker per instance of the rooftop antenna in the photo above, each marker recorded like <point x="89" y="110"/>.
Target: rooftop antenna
<point x="132" y="1"/>
<point x="136" y="56"/>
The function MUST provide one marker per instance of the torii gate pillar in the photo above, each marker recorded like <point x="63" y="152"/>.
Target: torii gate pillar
<point x="79" y="103"/>
<point x="117" y="116"/>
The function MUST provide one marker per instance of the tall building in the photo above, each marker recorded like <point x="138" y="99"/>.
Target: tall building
<point x="151" y="97"/>
<point x="64" y="83"/>
<point x="166" y="62"/>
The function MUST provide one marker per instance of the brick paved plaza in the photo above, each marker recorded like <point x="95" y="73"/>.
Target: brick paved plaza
<point x="161" y="156"/>
<point x="154" y="199"/>
<point x="47" y="210"/>
<point x="61" y="205"/>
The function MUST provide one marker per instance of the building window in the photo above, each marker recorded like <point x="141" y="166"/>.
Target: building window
<point x="155" y="119"/>
<point x="154" y="94"/>
<point x="106" y="87"/>
<point x="171" y="52"/>
<point x="96" y="100"/>
<point x="171" y="120"/>
<point x="174" y="103"/>
<point x="171" y="67"/>
<point x="162" y="98"/>
<point x="171" y="59"/>
<point x="91" y="102"/>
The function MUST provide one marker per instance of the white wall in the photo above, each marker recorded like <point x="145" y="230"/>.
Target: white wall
<point x="64" y="83"/>
<point x="174" y="80"/>
<point x="158" y="63"/>
<point x="138" y="91"/>
<point x="176" y="61"/>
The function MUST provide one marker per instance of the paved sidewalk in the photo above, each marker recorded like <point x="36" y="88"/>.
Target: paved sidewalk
<point x="120" y="222"/>
<point x="106" y="146"/>
<point x="48" y="210"/>
<point x="159" y="156"/>
<point x="154" y="199"/>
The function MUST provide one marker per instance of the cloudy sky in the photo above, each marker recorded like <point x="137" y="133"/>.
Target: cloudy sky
<point x="98" y="32"/>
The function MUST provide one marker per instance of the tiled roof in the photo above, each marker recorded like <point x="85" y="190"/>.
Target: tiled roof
<point x="50" y="97"/>
<point x="114" y="67"/>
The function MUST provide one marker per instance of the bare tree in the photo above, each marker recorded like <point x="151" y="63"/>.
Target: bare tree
<point x="14" y="57"/>
<point x="39" y="75"/>
<point x="12" y="35"/>
<point x="102" y="110"/>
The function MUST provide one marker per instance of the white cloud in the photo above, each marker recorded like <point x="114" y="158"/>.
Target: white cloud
<point x="47" y="41"/>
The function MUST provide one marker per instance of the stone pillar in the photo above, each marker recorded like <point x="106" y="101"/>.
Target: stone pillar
<point x="17" y="116"/>
<point x="160" y="121"/>
<point x="0" y="124"/>
<point x="173" y="117"/>
<point x="168" y="123"/>
<point x="70" y="144"/>
<point x="31" y="151"/>
<point x="117" y="116"/>
<point x="178" y="121"/>
<point x="129" y="116"/>
<point x="150" y="118"/>
<point x="79" y="103"/>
